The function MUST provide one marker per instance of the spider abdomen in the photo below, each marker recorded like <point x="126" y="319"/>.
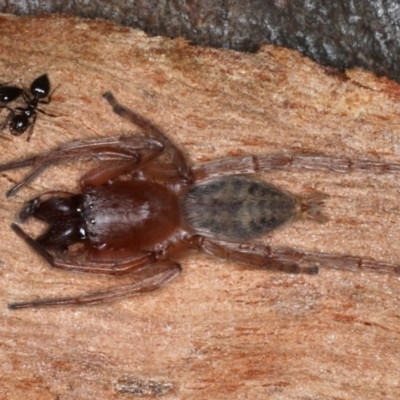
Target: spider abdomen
<point x="237" y="208"/>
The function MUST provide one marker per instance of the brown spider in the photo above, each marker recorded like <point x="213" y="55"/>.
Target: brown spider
<point x="143" y="205"/>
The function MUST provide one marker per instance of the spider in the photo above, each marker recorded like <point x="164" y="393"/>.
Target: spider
<point x="143" y="205"/>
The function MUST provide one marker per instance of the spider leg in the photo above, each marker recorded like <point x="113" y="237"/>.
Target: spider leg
<point x="334" y="261"/>
<point x="133" y="150"/>
<point x="165" y="271"/>
<point x="28" y="178"/>
<point x="109" y="170"/>
<point x="154" y="132"/>
<point x="254" y="164"/>
<point x="111" y="266"/>
<point x="248" y="255"/>
<point x="289" y="260"/>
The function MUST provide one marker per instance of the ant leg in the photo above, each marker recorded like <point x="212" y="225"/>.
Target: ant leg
<point x="32" y="125"/>
<point x="45" y="112"/>
<point x="256" y="257"/>
<point x="37" y="109"/>
<point x="134" y="150"/>
<point x="254" y="164"/>
<point x="6" y="121"/>
<point x="112" y="266"/>
<point x="164" y="272"/>
<point x="154" y="132"/>
<point x="48" y="100"/>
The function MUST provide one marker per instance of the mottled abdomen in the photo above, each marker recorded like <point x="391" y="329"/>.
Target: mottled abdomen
<point x="237" y="208"/>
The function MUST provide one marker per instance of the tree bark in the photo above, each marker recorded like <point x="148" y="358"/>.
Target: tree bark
<point x="218" y="331"/>
<point x="342" y="34"/>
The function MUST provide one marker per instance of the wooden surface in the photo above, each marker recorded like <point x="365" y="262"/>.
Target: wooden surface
<point x="218" y="331"/>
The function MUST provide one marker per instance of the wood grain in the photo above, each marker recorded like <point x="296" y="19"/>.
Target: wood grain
<point x="218" y="331"/>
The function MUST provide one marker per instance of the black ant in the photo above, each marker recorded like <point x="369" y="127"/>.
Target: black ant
<point x="22" y="118"/>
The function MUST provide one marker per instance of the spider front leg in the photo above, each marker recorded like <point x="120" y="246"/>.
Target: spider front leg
<point x="164" y="273"/>
<point x="154" y="132"/>
<point x="128" y="152"/>
<point x="161" y="272"/>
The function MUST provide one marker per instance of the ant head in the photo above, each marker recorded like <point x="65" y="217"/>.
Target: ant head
<point x="40" y="87"/>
